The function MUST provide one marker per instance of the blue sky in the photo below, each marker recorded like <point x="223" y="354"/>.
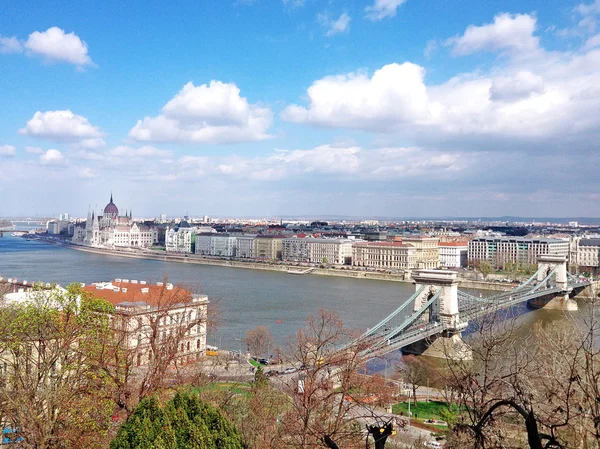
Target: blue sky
<point x="290" y="107"/>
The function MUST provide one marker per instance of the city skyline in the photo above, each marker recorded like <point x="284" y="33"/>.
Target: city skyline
<point x="378" y="108"/>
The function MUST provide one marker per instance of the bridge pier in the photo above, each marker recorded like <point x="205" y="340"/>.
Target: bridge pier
<point x="448" y="343"/>
<point x="561" y="301"/>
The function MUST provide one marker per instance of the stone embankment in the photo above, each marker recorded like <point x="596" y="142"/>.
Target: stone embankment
<point x="284" y="268"/>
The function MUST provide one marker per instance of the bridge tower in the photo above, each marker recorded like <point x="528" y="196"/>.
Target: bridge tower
<point x="447" y="344"/>
<point x="562" y="301"/>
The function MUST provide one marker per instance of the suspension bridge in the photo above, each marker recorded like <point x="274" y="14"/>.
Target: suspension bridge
<point x="440" y="311"/>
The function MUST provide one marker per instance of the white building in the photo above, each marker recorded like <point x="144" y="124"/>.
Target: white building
<point x="181" y="238"/>
<point x="385" y="255"/>
<point x="111" y="230"/>
<point x="244" y="247"/>
<point x="501" y="250"/>
<point x="56" y="227"/>
<point x="454" y="254"/>
<point x="587" y="255"/>
<point x="312" y="250"/>
<point x="222" y="245"/>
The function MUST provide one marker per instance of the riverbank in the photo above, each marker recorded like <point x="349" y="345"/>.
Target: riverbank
<point x="281" y="267"/>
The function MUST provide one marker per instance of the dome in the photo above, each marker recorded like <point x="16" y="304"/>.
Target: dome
<point x="111" y="209"/>
<point x="184" y="224"/>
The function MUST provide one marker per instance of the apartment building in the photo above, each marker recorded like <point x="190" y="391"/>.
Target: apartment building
<point x="453" y="254"/>
<point x="385" y="255"/>
<point x="222" y="245"/>
<point x="244" y="246"/>
<point x="181" y="238"/>
<point x="156" y="313"/>
<point x="313" y="250"/>
<point x="501" y="250"/>
<point x="587" y="255"/>
<point x="267" y="247"/>
<point x="427" y="251"/>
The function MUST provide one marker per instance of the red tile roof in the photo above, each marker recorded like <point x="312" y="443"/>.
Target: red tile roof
<point x="155" y="295"/>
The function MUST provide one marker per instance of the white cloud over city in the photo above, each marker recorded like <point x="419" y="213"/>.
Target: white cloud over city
<point x="503" y="126"/>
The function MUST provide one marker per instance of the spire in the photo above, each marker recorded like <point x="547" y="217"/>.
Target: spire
<point x="111" y="200"/>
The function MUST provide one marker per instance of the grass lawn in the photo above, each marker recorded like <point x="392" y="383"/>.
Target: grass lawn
<point x="254" y="363"/>
<point x="423" y="410"/>
<point x="235" y="387"/>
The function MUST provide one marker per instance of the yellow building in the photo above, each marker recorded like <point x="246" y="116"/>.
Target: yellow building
<point x="427" y="251"/>
<point x="266" y="247"/>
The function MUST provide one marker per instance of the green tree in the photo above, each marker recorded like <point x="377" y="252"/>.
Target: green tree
<point x="485" y="268"/>
<point x="185" y="422"/>
<point x="50" y="384"/>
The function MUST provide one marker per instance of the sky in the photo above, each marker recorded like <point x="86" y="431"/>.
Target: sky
<point x="268" y="108"/>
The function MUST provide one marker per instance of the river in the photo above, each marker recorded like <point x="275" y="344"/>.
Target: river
<point x="246" y="298"/>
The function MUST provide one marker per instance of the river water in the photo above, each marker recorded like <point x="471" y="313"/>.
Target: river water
<point x="246" y="298"/>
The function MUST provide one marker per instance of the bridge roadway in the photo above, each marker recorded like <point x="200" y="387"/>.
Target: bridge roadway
<point x="397" y="331"/>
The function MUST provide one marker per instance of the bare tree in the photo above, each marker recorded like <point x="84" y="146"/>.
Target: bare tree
<point x="327" y="396"/>
<point x="146" y="352"/>
<point x="259" y="340"/>
<point x="414" y="371"/>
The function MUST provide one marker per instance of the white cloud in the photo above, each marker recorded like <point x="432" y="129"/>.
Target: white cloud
<point x="382" y="9"/>
<point x="330" y="162"/>
<point x="142" y="152"/>
<point x="57" y="46"/>
<point x="395" y="94"/>
<point x="340" y="25"/>
<point x="592" y="42"/>
<point x="548" y="97"/>
<point x="588" y="8"/>
<point x="33" y="150"/>
<point x="52" y="157"/>
<point x="63" y="126"/>
<point x="8" y="151"/>
<point x="511" y="88"/>
<point x="214" y="113"/>
<point x="508" y="32"/>
<point x="10" y="45"/>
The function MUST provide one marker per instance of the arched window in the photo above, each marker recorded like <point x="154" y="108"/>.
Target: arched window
<point x="188" y="345"/>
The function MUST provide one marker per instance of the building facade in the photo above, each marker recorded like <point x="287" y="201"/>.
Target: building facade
<point x="111" y="230"/>
<point x="454" y="254"/>
<point x="181" y="238"/>
<point x="427" y="251"/>
<point x="587" y="257"/>
<point x="502" y="250"/>
<point x="312" y="250"/>
<point x="384" y="255"/>
<point x="159" y="314"/>
<point x="267" y="247"/>
<point x="244" y="246"/>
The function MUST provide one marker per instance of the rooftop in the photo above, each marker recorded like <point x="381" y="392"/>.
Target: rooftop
<point x="125" y="293"/>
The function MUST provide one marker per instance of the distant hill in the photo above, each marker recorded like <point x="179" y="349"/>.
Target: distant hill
<point x="5" y="224"/>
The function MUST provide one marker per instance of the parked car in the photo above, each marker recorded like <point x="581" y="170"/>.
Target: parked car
<point x="289" y="370"/>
